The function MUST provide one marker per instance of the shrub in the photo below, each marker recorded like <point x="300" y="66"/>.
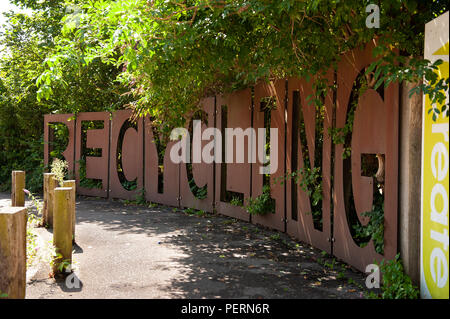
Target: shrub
<point x="262" y="204"/>
<point x="396" y="284"/>
<point x="59" y="168"/>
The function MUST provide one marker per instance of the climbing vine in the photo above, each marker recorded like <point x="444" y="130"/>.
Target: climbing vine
<point x="262" y="204"/>
<point x="374" y="229"/>
<point x="173" y="53"/>
<point x="396" y="284"/>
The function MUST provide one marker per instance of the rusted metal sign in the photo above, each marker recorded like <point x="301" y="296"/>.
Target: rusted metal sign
<point x="115" y="157"/>
<point x="303" y="152"/>
<point x="375" y="131"/>
<point x="126" y="156"/>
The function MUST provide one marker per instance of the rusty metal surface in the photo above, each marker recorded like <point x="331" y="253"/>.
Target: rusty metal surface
<point x="96" y="167"/>
<point x="302" y="226"/>
<point x="369" y="137"/>
<point x="171" y="190"/>
<point x="132" y="154"/>
<point x="238" y="179"/>
<point x="277" y="90"/>
<point x="69" y="152"/>
<point x="131" y="157"/>
<point x="203" y="173"/>
<point x="375" y="131"/>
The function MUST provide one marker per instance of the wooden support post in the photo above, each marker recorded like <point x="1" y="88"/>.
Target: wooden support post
<point x="49" y="187"/>
<point x="410" y="156"/>
<point x="17" y="187"/>
<point x="13" y="269"/>
<point x="62" y="226"/>
<point x="72" y="184"/>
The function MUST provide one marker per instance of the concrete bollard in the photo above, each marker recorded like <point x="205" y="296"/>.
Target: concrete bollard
<point x="49" y="187"/>
<point x="62" y="226"/>
<point x="72" y="184"/>
<point x="17" y="187"/>
<point x="13" y="269"/>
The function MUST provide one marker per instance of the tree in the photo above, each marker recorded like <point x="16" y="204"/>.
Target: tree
<point x="175" y="52"/>
<point x="27" y="41"/>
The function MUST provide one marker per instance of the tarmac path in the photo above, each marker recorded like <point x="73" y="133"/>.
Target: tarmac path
<point x="130" y="251"/>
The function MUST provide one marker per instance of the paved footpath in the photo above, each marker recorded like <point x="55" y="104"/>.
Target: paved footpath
<point x="129" y="251"/>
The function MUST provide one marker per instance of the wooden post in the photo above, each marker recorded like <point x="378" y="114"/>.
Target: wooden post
<point x="49" y="187"/>
<point x="62" y="226"/>
<point x="409" y="170"/>
<point x="13" y="269"/>
<point x="17" y="187"/>
<point x="72" y="184"/>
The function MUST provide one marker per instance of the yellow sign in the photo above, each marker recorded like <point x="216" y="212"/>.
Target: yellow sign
<point x="434" y="281"/>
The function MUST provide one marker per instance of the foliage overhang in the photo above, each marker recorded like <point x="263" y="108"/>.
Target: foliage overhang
<point x="174" y="52"/>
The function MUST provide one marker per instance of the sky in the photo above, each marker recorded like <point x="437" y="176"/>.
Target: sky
<point x="5" y="6"/>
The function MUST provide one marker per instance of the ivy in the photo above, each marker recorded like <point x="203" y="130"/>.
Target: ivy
<point x="309" y="179"/>
<point x="199" y="192"/>
<point x="173" y="53"/>
<point x="375" y="227"/>
<point x="262" y="204"/>
<point x="395" y="68"/>
<point x="236" y="201"/>
<point x="161" y="57"/>
<point x="26" y="40"/>
<point x="395" y="284"/>
<point x="87" y="182"/>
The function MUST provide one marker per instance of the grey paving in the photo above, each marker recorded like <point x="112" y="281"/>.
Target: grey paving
<point x="129" y="251"/>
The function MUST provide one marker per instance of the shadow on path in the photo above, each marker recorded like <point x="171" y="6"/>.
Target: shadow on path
<point x="226" y="258"/>
<point x="128" y="251"/>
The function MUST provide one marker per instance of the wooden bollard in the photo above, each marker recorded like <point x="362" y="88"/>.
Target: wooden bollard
<point x="17" y="187"/>
<point x="72" y="184"/>
<point x="49" y="187"/>
<point x="13" y="269"/>
<point x="62" y="226"/>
